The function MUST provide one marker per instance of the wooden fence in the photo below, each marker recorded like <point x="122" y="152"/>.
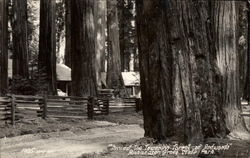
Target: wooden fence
<point x="105" y="105"/>
<point x="63" y="107"/>
<point x="5" y="108"/>
<point x="14" y="108"/>
<point x="125" y="105"/>
<point x="97" y="106"/>
<point x="104" y="93"/>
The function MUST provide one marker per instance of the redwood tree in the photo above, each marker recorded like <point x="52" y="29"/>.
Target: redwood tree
<point x="3" y="46"/>
<point x="225" y="25"/>
<point x="247" y="85"/>
<point x="83" y="48"/>
<point x="47" y="45"/>
<point x="68" y="33"/>
<point x="188" y="92"/>
<point x="20" y="39"/>
<point x="100" y="28"/>
<point x="114" y="75"/>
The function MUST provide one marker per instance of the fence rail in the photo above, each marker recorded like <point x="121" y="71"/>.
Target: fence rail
<point x="5" y="107"/>
<point x="97" y="106"/>
<point x="14" y="108"/>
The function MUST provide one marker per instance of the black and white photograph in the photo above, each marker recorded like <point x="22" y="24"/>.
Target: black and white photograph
<point x="124" y="78"/>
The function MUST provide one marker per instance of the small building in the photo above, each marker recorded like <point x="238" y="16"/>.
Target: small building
<point x="63" y="78"/>
<point x="131" y="82"/>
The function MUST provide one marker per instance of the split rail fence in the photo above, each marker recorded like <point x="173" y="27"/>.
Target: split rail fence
<point x="14" y="108"/>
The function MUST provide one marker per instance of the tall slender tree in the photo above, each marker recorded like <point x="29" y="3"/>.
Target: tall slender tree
<point x="83" y="48"/>
<point x="127" y="33"/>
<point x="188" y="92"/>
<point x="114" y="75"/>
<point x="247" y="85"/>
<point x="100" y="36"/>
<point x="3" y="46"/>
<point x="121" y="5"/>
<point x="47" y="45"/>
<point x="67" y="55"/>
<point x="242" y="31"/>
<point x="20" y="39"/>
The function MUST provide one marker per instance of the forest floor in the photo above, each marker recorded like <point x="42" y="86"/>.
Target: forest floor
<point x="38" y="125"/>
<point x="68" y="138"/>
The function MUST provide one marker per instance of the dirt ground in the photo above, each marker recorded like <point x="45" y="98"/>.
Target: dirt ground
<point x="68" y="144"/>
<point x="67" y="138"/>
<point x="39" y="125"/>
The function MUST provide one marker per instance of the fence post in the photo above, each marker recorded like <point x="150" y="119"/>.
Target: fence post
<point x="138" y="104"/>
<point x="45" y="106"/>
<point x="91" y="102"/>
<point x="107" y="106"/>
<point x="13" y="109"/>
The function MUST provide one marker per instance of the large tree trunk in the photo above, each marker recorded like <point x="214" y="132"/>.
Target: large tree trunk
<point x="3" y="46"/>
<point x="100" y="26"/>
<point x="188" y="92"/>
<point x="114" y="75"/>
<point x="225" y="15"/>
<point x="20" y="39"/>
<point x="122" y="24"/>
<point x="47" y="45"/>
<point x="67" y="55"/>
<point x="242" y="36"/>
<point x="126" y="33"/>
<point x="83" y="48"/>
<point x="247" y="84"/>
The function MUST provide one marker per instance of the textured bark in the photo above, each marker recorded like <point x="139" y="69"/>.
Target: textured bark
<point x="127" y="33"/>
<point x="247" y="85"/>
<point x="83" y="48"/>
<point x="20" y="39"/>
<point x="242" y="36"/>
<point x="68" y="33"/>
<point x="188" y="67"/>
<point x="114" y="76"/>
<point x="3" y="46"/>
<point x="122" y="20"/>
<point x="47" y="45"/>
<point x="100" y="26"/>
<point x="226" y="42"/>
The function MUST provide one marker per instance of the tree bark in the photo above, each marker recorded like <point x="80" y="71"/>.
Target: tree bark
<point x="83" y="48"/>
<point x="189" y="68"/>
<point x="20" y="39"/>
<point x="100" y="25"/>
<point x="226" y="42"/>
<point x="47" y="45"/>
<point x="127" y="33"/>
<point x="122" y="20"/>
<point x="114" y="75"/>
<point x="243" y="48"/>
<point x="3" y="46"/>
<point x="247" y="85"/>
<point x="68" y="33"/>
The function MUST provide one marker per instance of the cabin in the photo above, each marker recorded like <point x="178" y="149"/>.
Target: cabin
<point x="131" y="81"/>
<point x="63" y="77"/>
